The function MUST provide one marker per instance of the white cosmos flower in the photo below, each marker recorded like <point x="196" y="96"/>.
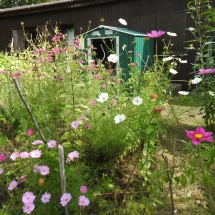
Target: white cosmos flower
<point x="211" y="93"/>
<point x="173" y="71"/>
<point x="137" y="100"/>
<point x="119" y="118"/>
<point x="167" y="59"/>
<point x="172" y="34"/>
<point x="182" y="61"/>
<point x="185" y="93"/>
<point x="103" y="97"/>
<point x="122" y="21"/>
<point x="196" y="80"/>
<point x="123" y="47"/>
<point x="113" y="58"/>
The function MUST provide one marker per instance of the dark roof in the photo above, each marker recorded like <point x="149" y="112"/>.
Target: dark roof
<point x="122" y="30"/>
<point x="50" y="6"/>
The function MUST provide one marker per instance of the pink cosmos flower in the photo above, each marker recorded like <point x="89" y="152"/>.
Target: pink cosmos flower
<point x="82" y="117"/>
<point x="77" y="41"/>
<point x="75" y="124"/>
<point x="36" y="168"/>
<point x="37" y="142"/>
<point x="23" y="178"/>
<point x="39" y="59"/>
<point x="64" y="49"/>
<point x="49" y="59"/>
<point x="93" y="103"/>
<point x="155" y="34"/>
<point x="51" y="144"/>
<point x="88" y="126"/>
<point x="16" y="74"/>
<point x="28" y="197"/>
<point x="4" y="71"/>
<point x="2" y="157"/>
<point x="45" y="197"/>
<point x="30" y="132"/>
<point x="44" y="170"/>
<point x="83" y="189"/>
<point x="114" y="101"/>
<point x="206" y="71"/>
<point x="80" y="61"/>
<point x="1" y="171"/>
<point x="72" y="155"/>
<point x="28" y="208"/>
<point x="36" y="153"/>
<point x="56" y="50"/>
<point x="200" y="135"/>
<point x="83" y="201"/>
<point x="59" y="78"/>
<point x="24" y="154"/>
<point x="14" y="156"/>
<point x="13" y="184"/>
<point x="65" y="199"/>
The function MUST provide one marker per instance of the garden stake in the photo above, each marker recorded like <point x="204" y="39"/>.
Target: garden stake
<point x="170" y="182"/>
<point x="29" y="110"/>
<point x="62" y="174"/>
<point x="137" y="159"/>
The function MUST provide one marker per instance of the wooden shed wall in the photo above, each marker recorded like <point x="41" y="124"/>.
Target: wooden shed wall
<point x="141" y="15"/>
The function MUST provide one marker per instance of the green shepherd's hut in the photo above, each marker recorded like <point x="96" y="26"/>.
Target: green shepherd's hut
<point x="131" y="46"/>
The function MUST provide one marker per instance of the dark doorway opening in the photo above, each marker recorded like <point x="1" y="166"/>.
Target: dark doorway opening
<point x="104" y="47"/>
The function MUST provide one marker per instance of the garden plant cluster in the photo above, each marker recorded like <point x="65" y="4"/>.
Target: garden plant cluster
<point x="53" y="97"/>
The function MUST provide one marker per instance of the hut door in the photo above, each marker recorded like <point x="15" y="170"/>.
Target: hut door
<point x="18" y="40"/>
<point x="103" y="47"/>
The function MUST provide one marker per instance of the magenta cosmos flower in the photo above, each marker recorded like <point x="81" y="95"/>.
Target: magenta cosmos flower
<point x="200" y="135"/>
<point x="2" y="157"/>
<point x="206" y="71"/>
<point x="155" y="34"/>
<point x="83" y="189"/>
<point x="65" y="199"/>
<point x="30" y="132"/>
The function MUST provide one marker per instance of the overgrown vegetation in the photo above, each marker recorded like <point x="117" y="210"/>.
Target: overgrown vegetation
<point x="124" y="140"/>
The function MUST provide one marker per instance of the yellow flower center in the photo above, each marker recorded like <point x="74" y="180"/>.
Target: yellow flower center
<point x="198" y="136"/>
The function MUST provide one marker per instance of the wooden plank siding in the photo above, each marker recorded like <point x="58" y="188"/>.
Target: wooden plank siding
<point x="141" y="15"/>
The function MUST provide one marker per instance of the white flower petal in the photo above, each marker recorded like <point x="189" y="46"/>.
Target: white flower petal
<point x="173" y="71"/>
<point x="196" y="80"/>
<point x="172" y="34"/>
<point x="167" y="59"/>
<point x="122" y="21"/>
<point x="137" y="100"/>
<point x="211" y="93"/>
<point x="185" y="93"/>
<point x="119" y="118"/>
<point x="182" y="61"/>
<point x="103" y="97"/>
<point x="113" y="58"/>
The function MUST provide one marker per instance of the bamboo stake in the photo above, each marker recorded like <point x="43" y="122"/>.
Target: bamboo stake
<point x="29" y="110"/>
<point x="62" y="174"/>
